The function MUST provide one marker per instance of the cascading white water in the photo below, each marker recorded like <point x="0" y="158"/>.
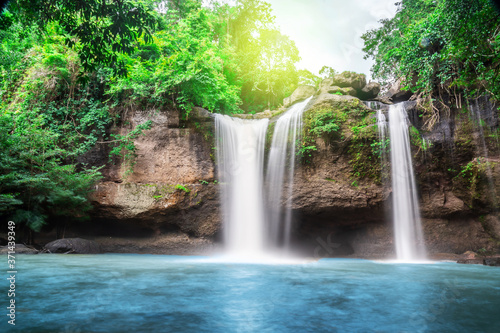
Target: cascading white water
<point x="406" y="214"/>
<point x="381" y="125"/>
<point x="240" y="160"/>
<point x="382" y="135"/>
<point x="475" y="110"/>
<point x="279" y="178"/>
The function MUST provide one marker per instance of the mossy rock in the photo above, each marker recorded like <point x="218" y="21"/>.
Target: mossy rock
<point x="337" y="90"/>
<point x="344" y="121"/>
<point x="349" y="79"/>
<point x="347" y="103"/>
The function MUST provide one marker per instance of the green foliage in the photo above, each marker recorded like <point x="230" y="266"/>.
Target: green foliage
<point x="69" y="70"/>
<point x="327" y="72"/>
<point x="124" y="145"/>
<point x="446" y="45"/>
<point x="415" y="137"/>
<point x="324" y="122"/>
<point x="308" y="78"/>
<point x="472" y="174"/>
<point x="182" y="188"/>
<point x="365" y="150"/>
<point x="305" y="152"/>
<point x="35" y="183"/>
<point x="187" y="70"/>
<point x="264" y="59"/>
<point x="99" y="29"/>
<point x="378" y="147"/>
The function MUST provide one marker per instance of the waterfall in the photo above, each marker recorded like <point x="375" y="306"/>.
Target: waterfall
<point x="406" y="214"/>
<point x="475" y="109"/>
<point x="240" y="159"/>
<point x="279" y="177"/>
<point x="382" y="135"/>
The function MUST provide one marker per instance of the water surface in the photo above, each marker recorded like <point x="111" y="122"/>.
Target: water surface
<point x="151" y="293"/>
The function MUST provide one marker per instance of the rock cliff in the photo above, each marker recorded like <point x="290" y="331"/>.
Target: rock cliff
<point x="169" y="202"/>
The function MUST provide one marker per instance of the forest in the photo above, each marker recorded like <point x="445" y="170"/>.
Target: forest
<point x="70" y="69"/>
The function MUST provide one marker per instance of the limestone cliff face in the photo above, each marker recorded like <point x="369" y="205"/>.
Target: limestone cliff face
<point x="338" y="200"/>
<point x="171" y="187"/>
<point x="338" y="196"/>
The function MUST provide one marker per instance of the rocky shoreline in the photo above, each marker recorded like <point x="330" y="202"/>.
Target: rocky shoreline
<point x="184" y="246"/>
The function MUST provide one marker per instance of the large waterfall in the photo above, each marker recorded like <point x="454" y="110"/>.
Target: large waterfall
<point x="406" y="214"/>
<point x="249" y="232"/>
<point x="280" y="170"/>
<point x="240" y="159"/>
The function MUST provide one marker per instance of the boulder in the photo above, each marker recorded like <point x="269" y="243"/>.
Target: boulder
<point x="370" y="91"/>
<point x="350" y="79"/>
<point x="19" y="249"/>
<point x="73" y="245"/>
<point x="396" y="94"/>
<point x="331" y="100"/>
<point x="492" y="225"/>
<point x="470" y="261"/>
<point x="326" y="83"/>
<point x="301" y="93"/>
<point x="494" y="261"/>
<point x="336" y="90"/>
<point x="200" y="114"/>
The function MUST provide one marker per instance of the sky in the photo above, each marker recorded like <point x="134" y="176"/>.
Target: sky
<point x="327" y="32"/>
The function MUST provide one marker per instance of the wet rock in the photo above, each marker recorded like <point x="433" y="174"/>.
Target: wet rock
<point x="383" y="100"/>
<point x="170" y="244"/>
<point x="74" y="246"/>
<point x="495" y="261"/>
<point x="492" y="224"/>
<point x="442" y="204"/>
<point x="470" y="255"/>
<point x="396" y="94"/>
<point x="19" y="249"/>
<point x="156" y="206"/>
<point x="370" y="91"/>
<point x="470" y="261"/>
<point x="300" y="94"/>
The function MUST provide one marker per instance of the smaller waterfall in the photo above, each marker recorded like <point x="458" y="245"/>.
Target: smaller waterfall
<point x="382" y="136"/>
<point x="475" y="110"/>
<point x="406" y="213"/>
<point x="381" y="125"/>
<point x="240" y="160"/>
<point x="280" y="170"/>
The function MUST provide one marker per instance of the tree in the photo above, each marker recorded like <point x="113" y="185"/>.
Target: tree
<point x="266" y="59"/>
<point x="327" y="72"/>
<point x="102" y="28"/>
<point x="308" y="78"/>
<point x="448" y="45"/>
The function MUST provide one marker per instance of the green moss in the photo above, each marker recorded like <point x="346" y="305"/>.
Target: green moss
<point x="365" y="149"/>
<point x="182" y="188"/>
<point x="324" y="123"/>
<point x="470" y="177"/>
<point x="345" y="121"/>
